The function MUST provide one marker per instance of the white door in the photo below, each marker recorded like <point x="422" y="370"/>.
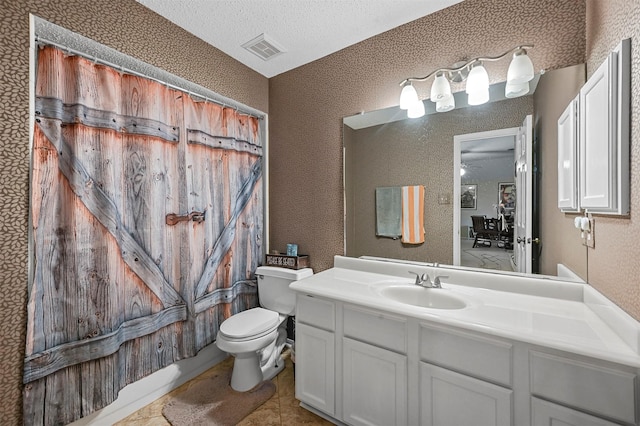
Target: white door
<point x="522" y="238"/>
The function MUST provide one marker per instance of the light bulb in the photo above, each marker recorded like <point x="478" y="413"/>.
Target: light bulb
<point x="462" y="172"/>
<point x="512" y="90"/>
<point x="478" y="98"/>
<point x="520" y="69"/>
<point x="416" y="110"/>
<point x="446" y="104"/>
<point x="478" y="80"/>
<point x="408" y="96"/>
<point x="440" y="89"/>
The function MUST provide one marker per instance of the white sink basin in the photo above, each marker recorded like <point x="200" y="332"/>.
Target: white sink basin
<point x="434" y="298"/>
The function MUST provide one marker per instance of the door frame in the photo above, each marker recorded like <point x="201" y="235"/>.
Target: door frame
<point x="458" y="140"/>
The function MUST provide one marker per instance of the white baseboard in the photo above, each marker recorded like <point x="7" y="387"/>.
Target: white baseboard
<point x="143" y="392"/>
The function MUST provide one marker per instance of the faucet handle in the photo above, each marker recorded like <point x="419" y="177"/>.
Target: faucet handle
<point x="436" y="280"/>
<point x="420" y="279"/>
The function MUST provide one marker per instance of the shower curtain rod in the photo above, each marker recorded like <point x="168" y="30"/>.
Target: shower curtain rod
<point x="95" y="59"/>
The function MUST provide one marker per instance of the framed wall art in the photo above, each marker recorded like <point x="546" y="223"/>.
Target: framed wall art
<point x="469" y="196"/>
<point x="507" y="195"/>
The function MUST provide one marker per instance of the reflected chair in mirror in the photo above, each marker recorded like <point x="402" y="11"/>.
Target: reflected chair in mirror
<point x="505" y="228"/>
<point x="484" y="234"/>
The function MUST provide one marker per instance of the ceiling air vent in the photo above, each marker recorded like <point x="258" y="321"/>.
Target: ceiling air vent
<point x="263" y="47"/>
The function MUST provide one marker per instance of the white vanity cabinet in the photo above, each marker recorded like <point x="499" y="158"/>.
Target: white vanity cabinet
<point x="315" y="353"/>
<point x="374" y="383"/>
<point x="362" y="366"/>
<point x="547" y="413"/>
<point x="374" y="372"/>
<point x="595" y="129"/>
<point x="465" y="378"/>
<point x="450" y="398"/>
<point x="580" y="391"/>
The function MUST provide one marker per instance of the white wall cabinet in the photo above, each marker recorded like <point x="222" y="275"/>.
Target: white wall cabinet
<point x="568" y="158"/>
<point x="450" y="398"/>
<point x="599" y="139"/>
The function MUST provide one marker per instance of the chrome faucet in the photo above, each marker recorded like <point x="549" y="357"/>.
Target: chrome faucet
<point x="421" y="279"/>
<point x="424" y="280"/>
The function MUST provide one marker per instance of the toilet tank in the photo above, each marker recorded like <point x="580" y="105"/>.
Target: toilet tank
<point x="273" y="287"/>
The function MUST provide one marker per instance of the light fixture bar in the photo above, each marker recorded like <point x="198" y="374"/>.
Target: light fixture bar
<point x="460" y="68"/>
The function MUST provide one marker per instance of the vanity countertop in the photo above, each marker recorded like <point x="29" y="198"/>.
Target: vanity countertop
<point x="567" y="324"/>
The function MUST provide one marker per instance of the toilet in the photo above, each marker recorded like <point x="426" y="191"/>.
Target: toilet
<point x="256" y="337"/>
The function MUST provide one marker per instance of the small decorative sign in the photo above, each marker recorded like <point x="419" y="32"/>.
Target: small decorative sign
<point x="291" y="262"/>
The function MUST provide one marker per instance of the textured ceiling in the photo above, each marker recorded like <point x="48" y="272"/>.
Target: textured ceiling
<point x="306" y="29"/>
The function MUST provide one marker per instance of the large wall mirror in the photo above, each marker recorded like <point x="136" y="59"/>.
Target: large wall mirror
<point x="385" y="149"/>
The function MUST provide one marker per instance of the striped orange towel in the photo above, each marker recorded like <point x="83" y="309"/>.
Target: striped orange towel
<point x="413" y="214"/>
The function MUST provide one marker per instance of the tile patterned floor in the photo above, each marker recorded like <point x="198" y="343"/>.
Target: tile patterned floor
<point x="281" y="409"/>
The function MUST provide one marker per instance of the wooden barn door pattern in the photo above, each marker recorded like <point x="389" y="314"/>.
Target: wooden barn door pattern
<point x="147" y="215"/>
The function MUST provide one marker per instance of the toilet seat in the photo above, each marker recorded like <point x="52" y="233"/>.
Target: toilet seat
<point x="251" y="324"/>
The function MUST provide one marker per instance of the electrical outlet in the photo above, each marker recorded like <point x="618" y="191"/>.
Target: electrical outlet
<point x="590" y="237"/>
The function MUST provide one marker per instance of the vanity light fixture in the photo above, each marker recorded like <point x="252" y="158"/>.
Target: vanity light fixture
<point x="519" y="74"/>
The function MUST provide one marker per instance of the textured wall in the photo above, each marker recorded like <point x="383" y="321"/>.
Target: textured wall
<point x="613" y="264"/>
<point x="307" y="104"/>
<point x="126" y="26"/>
<point x="417" y="152"/>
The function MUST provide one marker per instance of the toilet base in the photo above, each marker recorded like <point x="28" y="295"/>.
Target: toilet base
<point x="250" y="368"/>
<point x="246" y="372"/>
<point x="271" y="371"/>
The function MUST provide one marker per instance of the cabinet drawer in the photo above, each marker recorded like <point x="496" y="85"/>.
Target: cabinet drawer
<point x="479" y="356"/>
<point x="595" y="388"/>
<point x="548" y="413"/>
<point x="380" y="329"/>
<point x="315" y="311"/>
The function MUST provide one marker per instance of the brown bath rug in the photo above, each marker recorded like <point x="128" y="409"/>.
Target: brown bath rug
<point x="211" y="401"/>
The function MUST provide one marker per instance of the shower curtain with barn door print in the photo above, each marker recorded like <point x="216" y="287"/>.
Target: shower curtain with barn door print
<point x="147" y="215"/>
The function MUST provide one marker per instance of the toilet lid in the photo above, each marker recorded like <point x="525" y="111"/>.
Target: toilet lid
<point x="250" y="323"/>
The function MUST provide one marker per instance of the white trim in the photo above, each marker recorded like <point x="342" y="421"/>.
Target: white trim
<point x="567" y="274"/>
<point x="457" y="141"/>
<point x="139" y="394"/>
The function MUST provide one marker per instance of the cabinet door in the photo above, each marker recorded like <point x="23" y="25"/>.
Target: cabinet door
<point x="315" y="368"/>
<point x="604" y="135"/>
<point x="568" y="158"/>
<point x="449" y="398"/>
<point x="598" y="137"/>
<point x="374" y="385"/>
<point x="544" y="413"/>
